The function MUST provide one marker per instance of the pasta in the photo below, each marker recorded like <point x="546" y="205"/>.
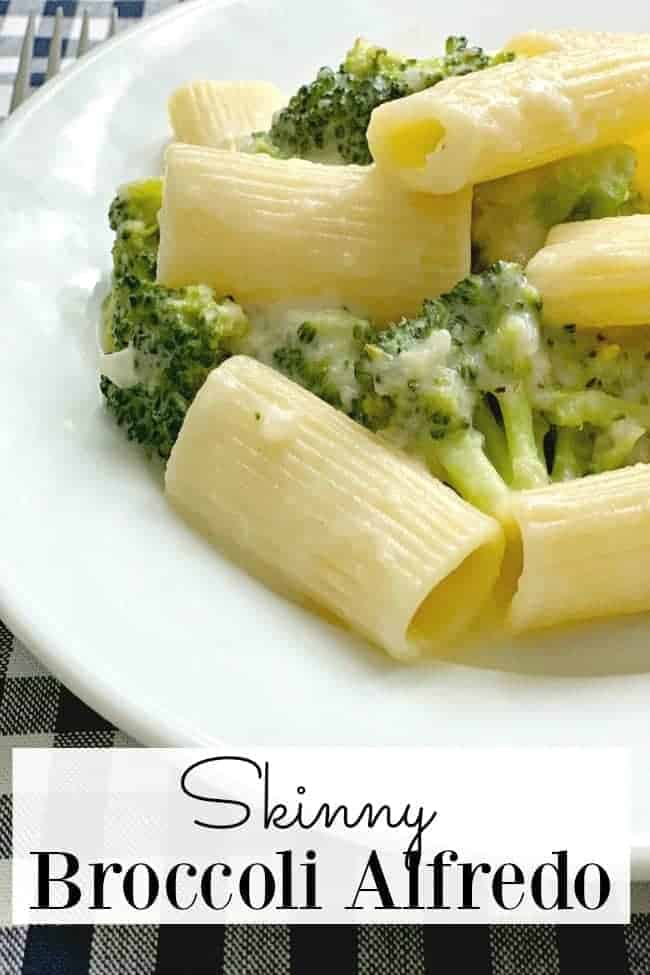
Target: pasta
<point x="353" y="381"/>
<point x="641" y="145"/>
<point x="513" y="117"/>
<point x="586" y="549"/>
<point x="534" y="42"/>
<point x="269" y="230"/>
<point x="595" y="273"/>
<point x="266" y="468"/>
<point x="220" y="113"/>
<point x="597" y="231"/>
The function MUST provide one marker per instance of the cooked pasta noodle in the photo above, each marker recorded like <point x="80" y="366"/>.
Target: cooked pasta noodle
<point x="586" y="549"/>
<point x="513" y="117"/>
<point x="221" y="113"/>
<point x="595" y="273"/>
<point x="270" y="230"/>
<point x="339" y="517"/>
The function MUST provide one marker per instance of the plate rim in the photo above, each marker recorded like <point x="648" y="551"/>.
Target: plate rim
<point x="50" y="89"/>
<point x="143" y="722"/>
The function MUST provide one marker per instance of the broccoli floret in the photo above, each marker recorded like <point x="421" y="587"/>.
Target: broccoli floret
<point x="599" y="398"/>
<point x="457" y="382"/>
<point x="326" y="120"/>
<point x="318" y="349"/>
<point x="179" y="337"/>
<point x="478" y="387"/>
<point x="586" y="449"/>
<point x="161" y="342"/>
<point x="614" y="445"/>
<point x="494" y="321"/>
<point x="572" y="452"/>
<point x="136" y="203"/>
<point x="512" y="215"/>
<point x="416" y="396"/>
<point x="151" y="416"/>
<point x="133" y="216"/>
<point x="489" y="398"/>
<point x="614" y="360"/>
<point x="410" y="370"/>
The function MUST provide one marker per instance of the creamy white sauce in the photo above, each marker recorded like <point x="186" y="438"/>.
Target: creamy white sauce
<point x="119" y="367"/>
<point x="272" y="327"/>
<point x="277" y="425"/>
<point x="543" y="100"/>
<point x="418" y="363"/>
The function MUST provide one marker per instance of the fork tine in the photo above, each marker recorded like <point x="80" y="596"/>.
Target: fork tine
<point x="83" y="44"/>
<point x="54" y="57"/>
<point x="21" y="85"/>
<point x="112" y="27"/>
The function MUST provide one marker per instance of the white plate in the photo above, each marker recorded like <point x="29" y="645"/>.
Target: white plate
<point x="138" y="616"/>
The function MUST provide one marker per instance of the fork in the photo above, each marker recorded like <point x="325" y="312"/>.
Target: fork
<point x="22" y="89"/>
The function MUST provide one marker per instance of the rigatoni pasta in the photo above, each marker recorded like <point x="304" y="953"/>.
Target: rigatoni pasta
<point x="586" y="549"/>
<point x="595" y="273"/>
<point x="295" y="487"/>
<point x="534" y="42"/>
<point x="221" y="113"/>
<point x="641" y="146"/>
<point x="513" y="117"/>
<point x="269" y="230"/>
<point x="342" y="405"/>
<point x="635" y="227"/>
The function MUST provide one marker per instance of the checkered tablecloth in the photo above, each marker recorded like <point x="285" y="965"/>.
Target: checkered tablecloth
<point x="13" y="20"/>
<point x="36" y="710"/>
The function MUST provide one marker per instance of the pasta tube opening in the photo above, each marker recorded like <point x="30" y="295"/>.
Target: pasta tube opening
<point x="432" y="622"/>
<point x="513" y="117"/>
<point x="411" y="145"/>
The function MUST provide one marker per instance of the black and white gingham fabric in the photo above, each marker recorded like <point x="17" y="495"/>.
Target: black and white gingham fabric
<point x="13" y="21"/>
<point x="36" y="710"/>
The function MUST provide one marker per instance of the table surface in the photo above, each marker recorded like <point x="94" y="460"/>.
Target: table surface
<point x="37" y="710"/>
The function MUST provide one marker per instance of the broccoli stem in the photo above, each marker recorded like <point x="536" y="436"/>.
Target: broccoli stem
<point x="495" y="445"/>
<point x="541" y="427"/>
<point x="528" y="468"/>
<point x="612" y="447"/>
<point x="471" y="473"/>
<point x="426" y="451"/>
<point x="574" y="409"/>
<point x="567" y="464"/>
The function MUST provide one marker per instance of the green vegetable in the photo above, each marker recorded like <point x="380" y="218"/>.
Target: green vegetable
<point x="421" y="382"/>
<point x="474" y="353"/>
<point x="599" y="397"/>
<point x="162" y="342"/>
<point x="326" y="120"/>
<point x="513" y="215"/>
<point x="318" y="349"/>
<point x="473" y="384"/>
<point x="571" y="453"/>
